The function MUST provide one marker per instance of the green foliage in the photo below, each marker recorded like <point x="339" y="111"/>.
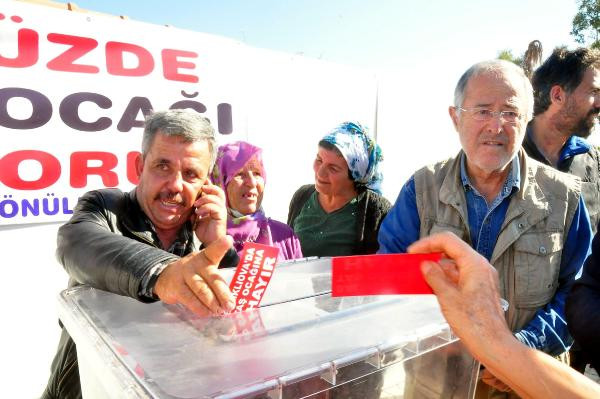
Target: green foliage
<point x="507" y="55"/>
<point x="586" y="23"/>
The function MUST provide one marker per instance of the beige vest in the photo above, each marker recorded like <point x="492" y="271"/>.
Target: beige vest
<point x="529" y="247"/>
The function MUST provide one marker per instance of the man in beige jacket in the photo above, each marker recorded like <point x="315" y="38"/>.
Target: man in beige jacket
<point x="527" y="219"/>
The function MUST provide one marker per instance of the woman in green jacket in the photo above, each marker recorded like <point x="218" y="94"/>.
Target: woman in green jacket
<point x="341" y="213"/>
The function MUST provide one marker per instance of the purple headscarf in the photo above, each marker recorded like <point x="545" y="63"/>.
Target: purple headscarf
<point x="231" y="158"/>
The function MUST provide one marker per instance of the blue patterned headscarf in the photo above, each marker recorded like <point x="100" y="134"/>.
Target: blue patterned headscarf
<point x="361" y="153"/>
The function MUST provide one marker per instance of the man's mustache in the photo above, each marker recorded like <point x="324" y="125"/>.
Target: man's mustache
<point x="168" y="196"/>
<point x="500" y="139"/>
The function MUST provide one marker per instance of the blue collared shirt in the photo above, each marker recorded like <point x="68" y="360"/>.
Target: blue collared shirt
<point x="486" y="220"/>
<point x="547" y="331"/>
<point x="573" y="146"/>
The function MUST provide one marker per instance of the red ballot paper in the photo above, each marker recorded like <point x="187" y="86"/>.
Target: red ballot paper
<point x="247" y="325"/>
<point x="380" y="274"/>
<point x="252" y="275"/>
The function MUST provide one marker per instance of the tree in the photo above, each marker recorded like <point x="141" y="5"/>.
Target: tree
<point x="507" y="55"/>
<point x="586" y="23"/>
<point x="529" y="61"/>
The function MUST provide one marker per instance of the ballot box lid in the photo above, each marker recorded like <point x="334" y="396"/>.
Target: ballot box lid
<point x="164" y="351"/>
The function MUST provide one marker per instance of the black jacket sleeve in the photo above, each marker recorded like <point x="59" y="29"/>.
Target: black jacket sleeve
<point x="230" y="259"/>
<point x="583" y="306"/>
<point x="93" y="251"/>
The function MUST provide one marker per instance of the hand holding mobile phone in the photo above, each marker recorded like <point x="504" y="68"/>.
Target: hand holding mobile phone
<point x="210" y="213"/>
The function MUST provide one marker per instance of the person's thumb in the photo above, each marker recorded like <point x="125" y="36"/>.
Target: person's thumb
<point x="217" y="249"/>
<point x="435" y="277"/>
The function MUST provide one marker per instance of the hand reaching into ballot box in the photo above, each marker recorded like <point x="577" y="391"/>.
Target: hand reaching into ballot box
<point x="466" y="287"/>
<point x="194" y="281"/>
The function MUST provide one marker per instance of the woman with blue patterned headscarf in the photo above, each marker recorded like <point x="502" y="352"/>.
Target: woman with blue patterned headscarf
<point x="341" y="213"/>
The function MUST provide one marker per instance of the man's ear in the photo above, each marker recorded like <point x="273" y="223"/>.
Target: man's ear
<point x="558" y="95"/>
<point x="454" y="116"/>
<point x="139" y="165"/>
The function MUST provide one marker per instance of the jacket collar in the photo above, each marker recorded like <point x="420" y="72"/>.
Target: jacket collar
<point x="138" y="223"/>
<point x="134" y="218"/>
<point x="452" y="192"/>
<point x="573" y="146"/>
<point x="528" y="206"/>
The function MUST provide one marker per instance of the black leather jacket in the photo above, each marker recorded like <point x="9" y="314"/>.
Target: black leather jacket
<point x="108" y="244"/>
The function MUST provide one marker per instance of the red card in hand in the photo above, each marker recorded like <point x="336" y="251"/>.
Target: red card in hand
<point x="380" y="274"/>
<point x="252" y="275"/>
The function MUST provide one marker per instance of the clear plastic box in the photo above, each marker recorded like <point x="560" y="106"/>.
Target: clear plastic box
<point x="301" y="343"/>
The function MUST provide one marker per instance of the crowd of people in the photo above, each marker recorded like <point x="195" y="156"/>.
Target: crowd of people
<point x="515" y="212"/>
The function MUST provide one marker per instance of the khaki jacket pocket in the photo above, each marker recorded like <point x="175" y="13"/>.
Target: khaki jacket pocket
<point x="537" y="265"/>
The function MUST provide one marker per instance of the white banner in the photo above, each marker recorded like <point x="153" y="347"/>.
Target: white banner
<point x="75" y="87"/>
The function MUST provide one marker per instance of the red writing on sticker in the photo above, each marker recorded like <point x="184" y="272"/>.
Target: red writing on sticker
<point x="252" y="275"/>
<point x="248" y="325"/>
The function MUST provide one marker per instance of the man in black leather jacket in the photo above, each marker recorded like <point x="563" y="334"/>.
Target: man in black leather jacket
<point x="162" y="241"/>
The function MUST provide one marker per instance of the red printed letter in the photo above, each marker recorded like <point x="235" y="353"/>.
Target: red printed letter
<point x="171" y="65"/>
<point x="9" y="170"/>
<point x="132" y="175"/>
<point x="114" y="59"/>
<point x="28" y="53"/>
<point x="80" y="46"/>
<point x="80" y="169"/>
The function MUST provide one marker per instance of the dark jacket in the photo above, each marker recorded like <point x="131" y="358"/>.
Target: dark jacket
<point x="586" y="166"/>
<point x="372" y="208"/>
<point x="583" y="307"/>
<point x="108" y="244"/>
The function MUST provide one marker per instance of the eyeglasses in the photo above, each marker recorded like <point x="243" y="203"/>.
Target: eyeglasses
<point x="484" y="115"/>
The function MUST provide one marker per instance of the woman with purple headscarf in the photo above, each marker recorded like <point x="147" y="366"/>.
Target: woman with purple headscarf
<point x="240" y="172"/>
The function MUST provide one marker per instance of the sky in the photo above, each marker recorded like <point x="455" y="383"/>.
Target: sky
<point x="384" y="35"/>
<point x="417" y="50"/>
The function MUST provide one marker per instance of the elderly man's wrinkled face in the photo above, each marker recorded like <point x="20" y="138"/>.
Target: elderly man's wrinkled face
<point x="491" y="144"/>
<point x="171" y="176"/>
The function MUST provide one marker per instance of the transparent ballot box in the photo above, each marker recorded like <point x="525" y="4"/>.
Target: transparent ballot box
<point x="301" y="343"/>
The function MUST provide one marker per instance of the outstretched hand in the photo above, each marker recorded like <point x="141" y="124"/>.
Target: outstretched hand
<point x="466" y="287"/>
<point x="194" y="281"/>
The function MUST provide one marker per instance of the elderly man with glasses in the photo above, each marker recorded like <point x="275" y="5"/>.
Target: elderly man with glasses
<point x="526" y="218"/>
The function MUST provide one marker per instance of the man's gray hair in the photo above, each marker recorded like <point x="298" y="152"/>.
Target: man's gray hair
<point x="498" y="68"/>
<point x="187" y="124"/>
